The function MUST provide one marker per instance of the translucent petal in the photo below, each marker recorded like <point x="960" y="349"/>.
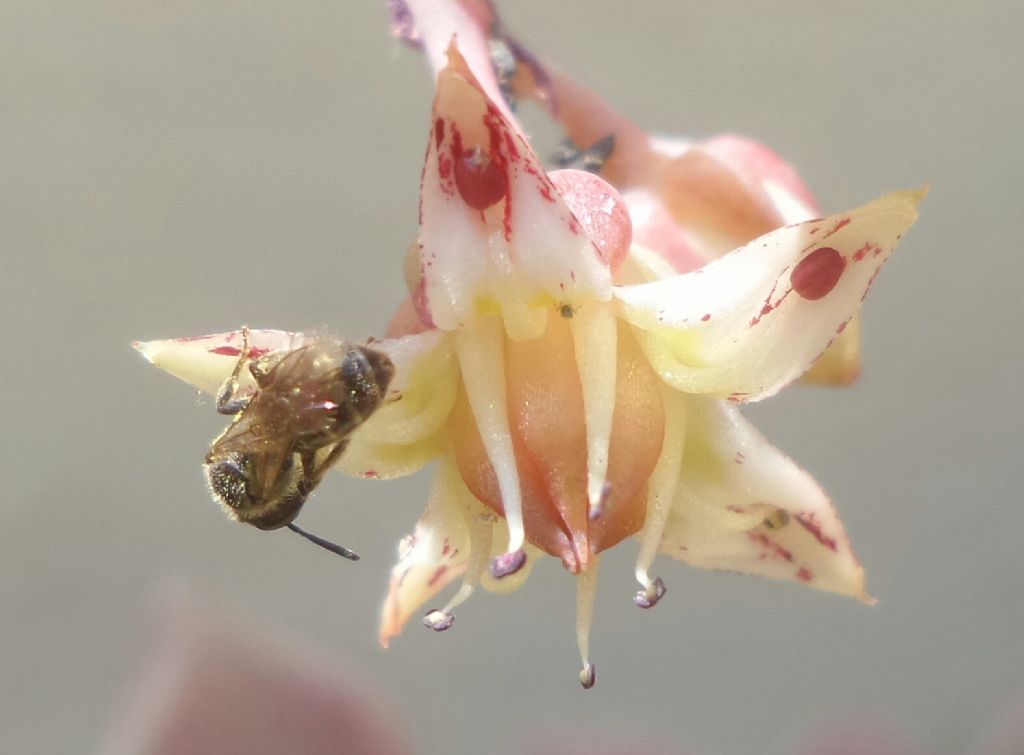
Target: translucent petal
<point x="205" y="361"/>
<point x="437" y="552"/>
<point x="404" y="434"/>
<point x="742" y="505"/>
<point x="746" y="325"/>
<point x="841" y="362"/>
<point x="496" y="238"/>
<point x="432" y="25"/>
<point x="456" y="536"/>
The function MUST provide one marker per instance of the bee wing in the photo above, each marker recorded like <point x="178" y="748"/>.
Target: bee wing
<point x="307" y="363"/>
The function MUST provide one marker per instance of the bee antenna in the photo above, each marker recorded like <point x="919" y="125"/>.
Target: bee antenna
<point x="326" y="544"/>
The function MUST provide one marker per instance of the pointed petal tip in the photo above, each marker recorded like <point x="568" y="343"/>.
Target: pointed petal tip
<point x="866" y="598"/>
<point x="860" y="591"/>
<point x="910" y="199"/>
<point x="146" y="348"/>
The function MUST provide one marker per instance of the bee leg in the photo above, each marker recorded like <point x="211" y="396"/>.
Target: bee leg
<point x="312" y="472"/>
<point x="228" y="399"/>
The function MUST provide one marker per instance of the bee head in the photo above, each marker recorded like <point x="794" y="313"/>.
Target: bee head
<point x="382" y="368"/>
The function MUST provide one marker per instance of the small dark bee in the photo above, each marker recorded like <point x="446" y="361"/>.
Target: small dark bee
<point x="591" y="159"/>
<point x="291" y="428"/>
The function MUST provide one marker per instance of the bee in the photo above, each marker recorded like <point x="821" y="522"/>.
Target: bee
<point x="590" y="159"/>
<point x="291" y="427"/>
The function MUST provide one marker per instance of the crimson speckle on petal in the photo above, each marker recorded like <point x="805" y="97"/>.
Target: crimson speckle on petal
<point x="482" y="183"/>
<point x="817" y="274"/>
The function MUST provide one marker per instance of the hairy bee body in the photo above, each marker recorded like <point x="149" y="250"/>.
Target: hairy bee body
<point x="295" y="424"/>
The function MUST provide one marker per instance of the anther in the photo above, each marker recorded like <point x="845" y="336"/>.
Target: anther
<point x="508" y="563"/>
<point x="439" y="621"/>
<point x="588" y="675"/>
<point x="596" y="511"/>
<point x="649" y="597"/>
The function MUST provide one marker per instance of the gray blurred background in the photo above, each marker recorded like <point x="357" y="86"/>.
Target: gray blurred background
<point x="173" y="168"/>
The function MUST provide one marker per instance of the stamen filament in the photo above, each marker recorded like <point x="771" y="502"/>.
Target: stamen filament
<point x="480" y="551"/>
<point x="586" y="591"/>
<point x="661" y="491"/>
<point x="480" y="349"/>
<point x="594" y="333"/>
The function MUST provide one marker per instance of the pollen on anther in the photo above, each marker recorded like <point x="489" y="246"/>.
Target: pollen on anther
<point x="439" y="621"/>
<point x="480" y="180"/>
<point x="817" y="273"/>
<point x="508" y="563"/>
<point x="588" y="675"/>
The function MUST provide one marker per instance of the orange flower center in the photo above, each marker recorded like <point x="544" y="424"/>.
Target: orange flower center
<point x="549" y="436"/>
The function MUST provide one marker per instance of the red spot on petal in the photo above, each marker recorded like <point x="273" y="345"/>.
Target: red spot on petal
<point x="810" y="523"/>
<point x="817" y="273"/>
<point x="438" y="573"/>
<point x="769" y="306"/>
<point x="773" y="549"/>
<point x="233" y="351"/>
<point x="706" y="317"/>
<point x="804" y="574"/>
<point x="438" y="132"/>
<point x="481" y="181"/>
<point x="444" y="167"/>
<point x="370" y="474"/>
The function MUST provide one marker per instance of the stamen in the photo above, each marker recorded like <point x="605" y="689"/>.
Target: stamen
<point x="480" y="552"/>
<point x="508" y="563"/>
<point x="481" y="354"/>
<point x="649" y="597"/>
<point x="586" y="590"/>
<point x="594" y="332"/>
<point x="588" y="675"/>
<point x="660" y="492"/>
<point x="596" y="511"/>
<point x="439" y="621"/>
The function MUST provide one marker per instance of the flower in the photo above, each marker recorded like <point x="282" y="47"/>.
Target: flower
<point x="690" y="202"/>
<point x="575" y="388"/>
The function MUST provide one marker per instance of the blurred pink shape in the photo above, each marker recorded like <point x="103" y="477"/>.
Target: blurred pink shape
<point x="219" y="684"/>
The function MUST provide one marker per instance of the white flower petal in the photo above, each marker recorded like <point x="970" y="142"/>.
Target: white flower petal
<point x="453" y="536"/>
<point x="404" y="434"/>
<point x="742" y="505"/>
<point x="205" y="361"/>
<point x="746" y="325"/>
<point x="433" y="24"/>
<point x="501" y="242"/>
